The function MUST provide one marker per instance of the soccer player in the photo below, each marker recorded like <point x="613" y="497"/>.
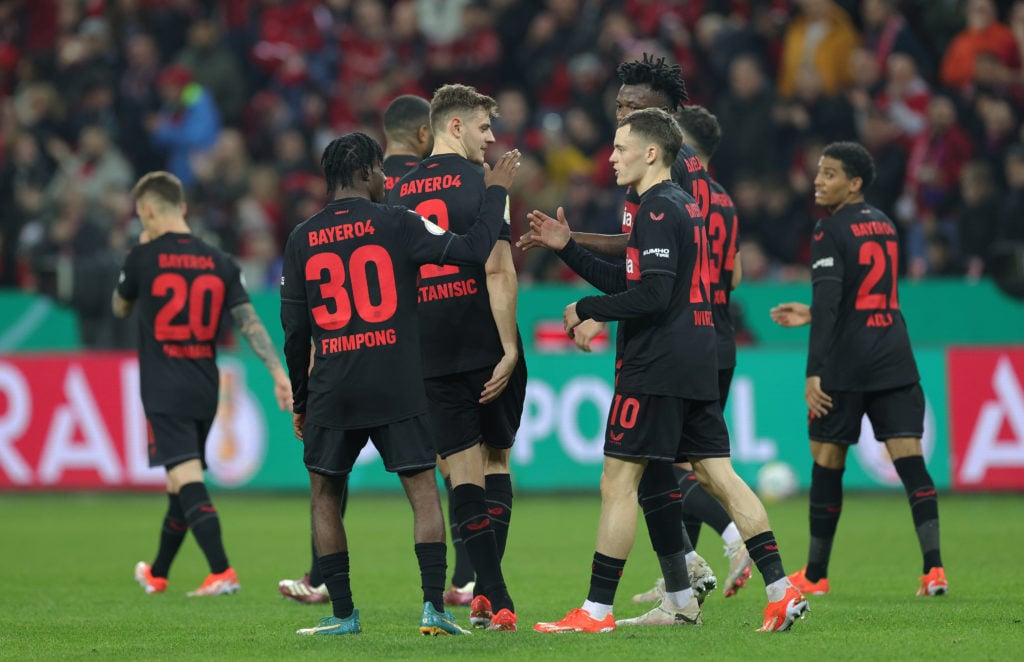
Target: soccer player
<point x="349" y="287"/>
<point x="859" y="361"/>
<point x="665" y="407"/>
<point x="181" y="285"/>
<point x="409" y="140"/>
<point x="650" y="83"/>
<point x="472" y="353"/>
<point x="702" y="132"/>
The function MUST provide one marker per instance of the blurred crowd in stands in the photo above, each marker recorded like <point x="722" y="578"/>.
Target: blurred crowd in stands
<point x="239" y="97"/>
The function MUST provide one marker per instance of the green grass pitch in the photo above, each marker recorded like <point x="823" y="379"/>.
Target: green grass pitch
<point x="66" y="588"/>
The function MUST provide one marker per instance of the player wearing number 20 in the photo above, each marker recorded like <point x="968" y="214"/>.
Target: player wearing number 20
<point x="181" y="286"/>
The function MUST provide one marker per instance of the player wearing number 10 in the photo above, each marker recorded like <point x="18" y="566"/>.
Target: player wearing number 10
<point x="349" y="287"/>
<point x="182" y="285"/>
<point x="859" y="362"/>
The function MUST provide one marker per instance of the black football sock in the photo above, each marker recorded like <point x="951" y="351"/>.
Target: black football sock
<point x="462" y="573"/>
<point x="334" y="568"/>
<point x="924" y="506"/>
<point x="478" y="536"/>
<point x="172" y="534"/>
<point x="661" y="501"/>
<point x="700" y="506"/>
<point x="498" y="495"/>
<point x="205" y="524"/>
<point x="764" y="552"/>
<point x="826" y="507"/>
<point x="605" y="573"/>
<point x="315" y="576"/>
<point x="431" y="557"/>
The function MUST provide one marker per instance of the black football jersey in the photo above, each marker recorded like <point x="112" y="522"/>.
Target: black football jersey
<point x="349" y="285"/>
<point x="182" y="286"/>
<point x="395" y="168"/>
<point x="723" y="231"/>
<point x="458" y="329"/>
<point x="670" y="353"/>
<point x="859" y="339"/>
<point x="689" y="173"/>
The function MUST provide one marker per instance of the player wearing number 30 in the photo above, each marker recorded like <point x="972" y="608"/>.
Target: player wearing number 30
<point x="349" y="287"/>
<point x="181" y="285"/>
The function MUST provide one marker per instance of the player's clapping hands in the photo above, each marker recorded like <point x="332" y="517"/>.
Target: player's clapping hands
<point x="570" y="320"/>
<point x="546" y="232"/>
<point x="504" y="171"/>
<point x="586" y="331"/>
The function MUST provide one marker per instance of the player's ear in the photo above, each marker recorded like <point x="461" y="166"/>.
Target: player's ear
<point x="455" y="127"/>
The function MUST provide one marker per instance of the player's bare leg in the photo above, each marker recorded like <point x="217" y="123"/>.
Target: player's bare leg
<point x="907" y="457"/>
<point x="785" y="603"/>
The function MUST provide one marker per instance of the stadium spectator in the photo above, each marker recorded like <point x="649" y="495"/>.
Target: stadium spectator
<point x="749" y="142"/>
<point x="187" y="123"/>
<point x="96" y="170"/>
<point x="886" y="31"/>
<point x="821" y="35"/>
<point x="215" y="68"/>
<point x="1010" y="226"/>
<point x="983" y="33"/>
<point x="977" y="216"/>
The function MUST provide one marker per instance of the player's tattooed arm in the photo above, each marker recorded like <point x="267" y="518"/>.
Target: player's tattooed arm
<point x="250" y="326"/>
<point x="122" y="307"/>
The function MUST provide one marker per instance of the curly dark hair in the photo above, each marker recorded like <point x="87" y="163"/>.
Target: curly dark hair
<point x="856" y="160"/>
<point x="666" y="79"/>
<point x="701" y="128"/>
<point x="350" y="154"/>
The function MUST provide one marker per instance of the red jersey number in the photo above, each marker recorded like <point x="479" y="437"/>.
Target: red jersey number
<point x="329" y="270"/>
<point x="878" y="260"/>
<point x="435" y="210"/>
<point x="700" y="281"/>
<point x="204" y="299"/>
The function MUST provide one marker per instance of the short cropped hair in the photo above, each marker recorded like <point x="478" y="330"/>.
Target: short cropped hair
<point x="404" y="116"/>
<point x="657" y="126"/>
<point x="701" y="128"/>
<point x="350" y="154"/>
<point x="162" y="185"/>
<point x="856" y="161"/>
<point x="454" y="98"/>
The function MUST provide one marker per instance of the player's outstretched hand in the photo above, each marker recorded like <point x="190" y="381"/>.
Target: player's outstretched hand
<point x="818" y="401"/>
<point x="298" y="422"/>
<point x="504" y="171"/>
<point x="545" y="231"/>
<point x="283" y="391"/>
<point x="499" y="378"/>
<point x="586" y="331"/>
<point x="791" y="314"/>
<point x="570" y="319"/>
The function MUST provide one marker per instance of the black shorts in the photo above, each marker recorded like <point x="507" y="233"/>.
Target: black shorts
<point x="896" y="412"/>
<point x="460" y="419"/>
<point x="724" y="382"/>
<point x="665" y="429"/>
<point x="173" y="440"/>
<point x="406" y="445"/>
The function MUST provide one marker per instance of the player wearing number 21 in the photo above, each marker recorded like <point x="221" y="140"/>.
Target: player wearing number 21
<point x="349" y="288"/>
<point x="181" y="285"/>
<point x="859" y="362"/>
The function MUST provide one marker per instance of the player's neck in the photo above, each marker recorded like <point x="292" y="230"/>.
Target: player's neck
<point x="401" y="150"/>
<point x="442" y="146"/>
<point x="851" y="200"/>
<point x="169" y="225"/>
<point x="349" y="193"/>
<point x="652" y="177"/>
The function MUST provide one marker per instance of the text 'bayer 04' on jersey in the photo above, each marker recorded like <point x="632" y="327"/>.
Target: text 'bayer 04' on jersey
<point x="857" y="249"/>
<point x="457" y="325"/>
<point x="181" y="287"/>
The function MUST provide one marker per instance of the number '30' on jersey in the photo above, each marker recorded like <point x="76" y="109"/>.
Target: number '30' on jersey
<point x="859" y="339"/>
<point x="349" y="287"/>
<point x="181" y="286"/>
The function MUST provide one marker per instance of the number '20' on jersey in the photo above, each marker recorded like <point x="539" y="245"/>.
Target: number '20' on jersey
<point x="458" y="329"/>
<point x="181" y="286"/>
<point x="349" y="286"/>
<point x="859" y="339"/>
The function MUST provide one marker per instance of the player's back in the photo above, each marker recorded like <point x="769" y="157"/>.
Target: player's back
<point x="395" y="167"/>
<point x="871" y="348"/>
<point x="723" y="231"/>
<point x="671" y="353"/>
<point x="358" y="279"/>
<point x="183" y="287"/>
<point x="458" y="329"/>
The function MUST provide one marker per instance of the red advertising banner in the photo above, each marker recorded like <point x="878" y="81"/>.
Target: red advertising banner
<point x="986" y="405"/>
<point x="73" y="422"/>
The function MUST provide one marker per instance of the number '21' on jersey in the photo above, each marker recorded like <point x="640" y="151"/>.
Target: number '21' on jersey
<point x="854" y="266"/>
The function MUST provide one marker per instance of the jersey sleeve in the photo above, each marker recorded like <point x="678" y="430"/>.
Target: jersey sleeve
<point x="428" y="243"/>
<point x="826" y="255"/>
<point x="296" y="325"/>
<point x="235" y="293"/>
<point x="128" y="280"/>
<point x="827" y="279"/>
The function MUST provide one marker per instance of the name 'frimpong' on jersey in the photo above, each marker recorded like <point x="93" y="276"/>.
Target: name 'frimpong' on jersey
<point x="458" y="329"/>
<point x="182" y="286"/>
<point x="869" y="347"/>
<point x="349" y="285"/>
